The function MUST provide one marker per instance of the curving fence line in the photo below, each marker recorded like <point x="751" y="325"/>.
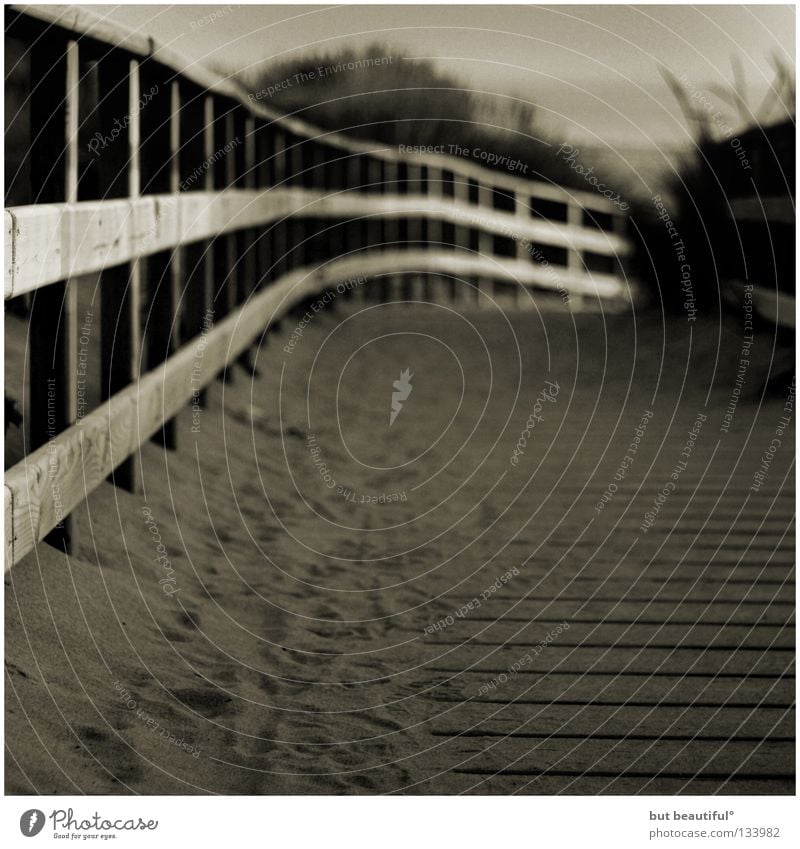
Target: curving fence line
<point x="188" y="196"/>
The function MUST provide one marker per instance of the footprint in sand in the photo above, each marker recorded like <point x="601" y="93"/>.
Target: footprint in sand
<point x="113" y="759"/>
<point x="208" y="703"/>
<point x="190" y="619"/>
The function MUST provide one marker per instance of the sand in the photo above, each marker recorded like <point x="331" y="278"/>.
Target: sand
<point x="295" y="635"/>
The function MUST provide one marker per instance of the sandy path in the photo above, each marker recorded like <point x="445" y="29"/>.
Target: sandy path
<point x="314" y="549"/>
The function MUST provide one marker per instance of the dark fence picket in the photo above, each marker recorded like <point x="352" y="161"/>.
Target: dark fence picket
<point x="54" y="310"/>
<point x="120" y="286"/>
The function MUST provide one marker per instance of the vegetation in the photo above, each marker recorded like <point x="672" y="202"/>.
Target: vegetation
<point x="372" y="95"/>
<point x="740" y="150"/>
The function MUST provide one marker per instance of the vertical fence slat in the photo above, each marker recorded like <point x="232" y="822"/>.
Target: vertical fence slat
<point x="208" y="185"/>
<point x="263" y="167"/>
<point x="53" y="323"/>
<point x="176" y="265"/>
<point x="485" y="285"/>
<point x="462" y="238"/>
<point x="373" y="228"/>
<point x="231" y="240"/>
<point x="249" y="238"/>
<point x="521" y="203"/>
<point x="166" y="272"/>
<point x="120" y="291"/>
<point x="278" y="229"/>
<point x="574" y="257"/>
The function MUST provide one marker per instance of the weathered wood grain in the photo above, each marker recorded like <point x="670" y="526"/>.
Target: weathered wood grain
<point x="631" y="691"/>
<point x="475" y="720"/>
<point x="51" y="242"/>
<point x="676" y="758"/>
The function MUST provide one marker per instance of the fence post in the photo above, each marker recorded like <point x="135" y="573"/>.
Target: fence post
<point x="248" y="240"/>
<point x="120" y="290"/>
<point x="278" y="229"/>
<point x="574" y="258"/>
<point x="170" y="314"/>
<point x="293" y="226"/>
<point x="207" y="280"/>
<point x="374" y="181"/>
<point x="461" y="235"/>
<point x="521" y="202"/>
<point x="415" y="284"/>
<point x="351" y="228"/>
<point x="231" y="240"/>
<point x="195" y="316"/>
<point x="434" y="283"/>
<point x="485" y="246"/>
<point x="250" y="235"/>
<point x="158" y="160"/>
<point x="413" y="227"/>
<point x="262" y="182"/>
<point x="391" y="226"/>
<point x="54" y="319"/>
<point x="620" y="224"/>
<point x="225" y="246"/>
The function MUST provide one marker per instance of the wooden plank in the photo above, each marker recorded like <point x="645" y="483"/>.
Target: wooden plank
<point x="34" y="242"/>
<point x="582" y="606"/>
<point x="473" y="719"/>
<point x="607" y="659"/>
<point x="644" y="690"/>
<point x="592" y="757"/>
<point x="52" y="240"/>
<point x="747" y="634"/>
<point x="8" y="496"/>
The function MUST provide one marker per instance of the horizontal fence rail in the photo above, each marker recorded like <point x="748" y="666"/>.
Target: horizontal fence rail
<point x="50" y="242"/>
<point x="205" y="200"/>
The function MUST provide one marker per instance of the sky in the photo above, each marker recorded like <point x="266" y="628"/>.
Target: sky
<point x="591" y="71"/>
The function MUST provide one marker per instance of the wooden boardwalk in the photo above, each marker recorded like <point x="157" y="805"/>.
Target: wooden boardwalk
<point x="493" y="632"/>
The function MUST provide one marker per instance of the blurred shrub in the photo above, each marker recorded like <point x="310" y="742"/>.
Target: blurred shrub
<point x="756" y="163"/>
<point x="408" y="102"/>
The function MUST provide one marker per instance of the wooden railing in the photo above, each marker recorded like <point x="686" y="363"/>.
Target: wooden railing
<point x="203" y="201"/>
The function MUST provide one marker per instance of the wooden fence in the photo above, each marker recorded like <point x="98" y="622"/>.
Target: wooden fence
<point x="188" y="196"/>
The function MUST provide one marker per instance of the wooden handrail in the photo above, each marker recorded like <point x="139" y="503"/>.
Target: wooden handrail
<point x="50" y="242"/>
